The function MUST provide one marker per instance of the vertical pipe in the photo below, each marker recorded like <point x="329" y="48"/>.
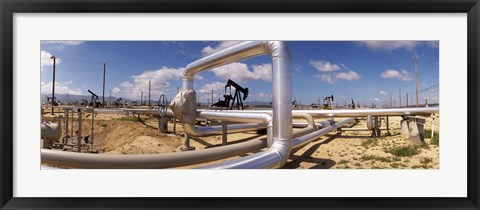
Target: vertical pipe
<point x="103" y="95"/>
<point x="388" y="126"/>
<point x="53" y="80"/>
<point x="433" y="125"/>
<point x="415" y="60"/>
<point x="187" y="141"/>
<point x="93" y="118"/>
<point x="376" y="126"/>
<point x="149" y="89"/>
<point x="281" y="93"/>
<point x="224" y="133"/>
<point x="174" y="125"/>
<point x="71" y="129"/>
<point x="79" y="137"/>
<point x="66" y="124"/>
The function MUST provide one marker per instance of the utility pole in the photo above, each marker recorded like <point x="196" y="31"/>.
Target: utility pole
<point x="53" y="81"/>
<point x="110" y="98"/>
<point x="407" y="99"/>
<point x="149" y="88"/>
<point x="415" y="60"/>
<point x="141" y="97"/>
<point x="103" y="92"/>
<point x="400" y="97"/>
<point x="390" y="100"/>
<point x="212" y="97"/>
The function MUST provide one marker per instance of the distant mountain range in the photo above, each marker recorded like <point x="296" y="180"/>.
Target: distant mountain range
<point x="71" y="99"/>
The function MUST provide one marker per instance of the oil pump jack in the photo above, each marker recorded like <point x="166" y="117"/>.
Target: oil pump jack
<point x="49" y="100"/>
<point x="118" y="102"/>
<point x="328" y="102"/>
<point x="232" y="102"/>
<point x="94" y="100"/>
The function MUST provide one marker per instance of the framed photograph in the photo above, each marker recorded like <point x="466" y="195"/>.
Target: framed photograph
<point x="239" y="105"/>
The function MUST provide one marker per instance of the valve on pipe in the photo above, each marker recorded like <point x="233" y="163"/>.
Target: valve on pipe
<point x="184" y="106"/>
<point x="50" y="132"/>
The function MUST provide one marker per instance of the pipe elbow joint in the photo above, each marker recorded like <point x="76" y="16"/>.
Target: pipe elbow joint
<point x="276" y="49"/>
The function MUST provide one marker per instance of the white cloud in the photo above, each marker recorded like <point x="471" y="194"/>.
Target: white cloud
<point x="116" y="90"/>
<point x="45" y="59"/>
<point x="324" y="66"/>
<point x="401" y="75"/>
<point x="382" y="92"/>
<point x="239" y="72"/>
<point x="350" y="75"/>
<point x="389" y="45"/>
<point x="328" y="78"/>
<point x="263" y="95"/>
<point x="73" y="42"/>
<point x="160" y="82"/>
<point x="332" y="78"/>
<point x="375" y="99"/>
<point x="225" y="44"/>
<point x="60" y="88"/>
<point x="215" y="86"/>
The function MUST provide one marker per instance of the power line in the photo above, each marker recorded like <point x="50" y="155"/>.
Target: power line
<point x="423" y="90"/>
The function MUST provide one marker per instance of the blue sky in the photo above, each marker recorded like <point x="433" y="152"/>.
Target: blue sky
<point x="367" y="71"/>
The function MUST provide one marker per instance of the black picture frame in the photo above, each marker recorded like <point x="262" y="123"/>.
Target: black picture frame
<point x="10" y="7"/>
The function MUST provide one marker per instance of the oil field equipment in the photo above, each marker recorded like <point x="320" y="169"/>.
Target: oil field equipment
<point x="328" y="102"/>
<point x="84" y="102"/>
<point x="118" y="102"/>
<point x="49" y="100"/>
<point x="94" y="100"/>
<point x="232" y="102"/>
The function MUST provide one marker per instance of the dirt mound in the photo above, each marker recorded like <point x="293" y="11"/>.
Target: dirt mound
<point x="133" y="138"/>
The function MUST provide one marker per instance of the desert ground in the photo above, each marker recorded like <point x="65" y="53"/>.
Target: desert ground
<point x="123" y="135"/>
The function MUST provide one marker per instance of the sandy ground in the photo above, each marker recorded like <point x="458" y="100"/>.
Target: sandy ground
<point x="358" y="150"/>
<point x="118" y="134"/>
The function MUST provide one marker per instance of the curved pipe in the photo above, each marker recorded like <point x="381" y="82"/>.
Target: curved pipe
<point x="192" y="130"/>
<point x="252" y="121"/>
<point x="144" y="161"/>
<point x="237" y="52"/>
<point x="278" y="152"/>
<point x="265" y="160"/>
<point x="308" y="129"/>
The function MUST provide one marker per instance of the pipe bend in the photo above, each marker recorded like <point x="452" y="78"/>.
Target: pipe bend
<point x="277" y="49"/>
<point x="278" y="152"/>
<point x="192" y="130"/>
<point x="250" y="122"/>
